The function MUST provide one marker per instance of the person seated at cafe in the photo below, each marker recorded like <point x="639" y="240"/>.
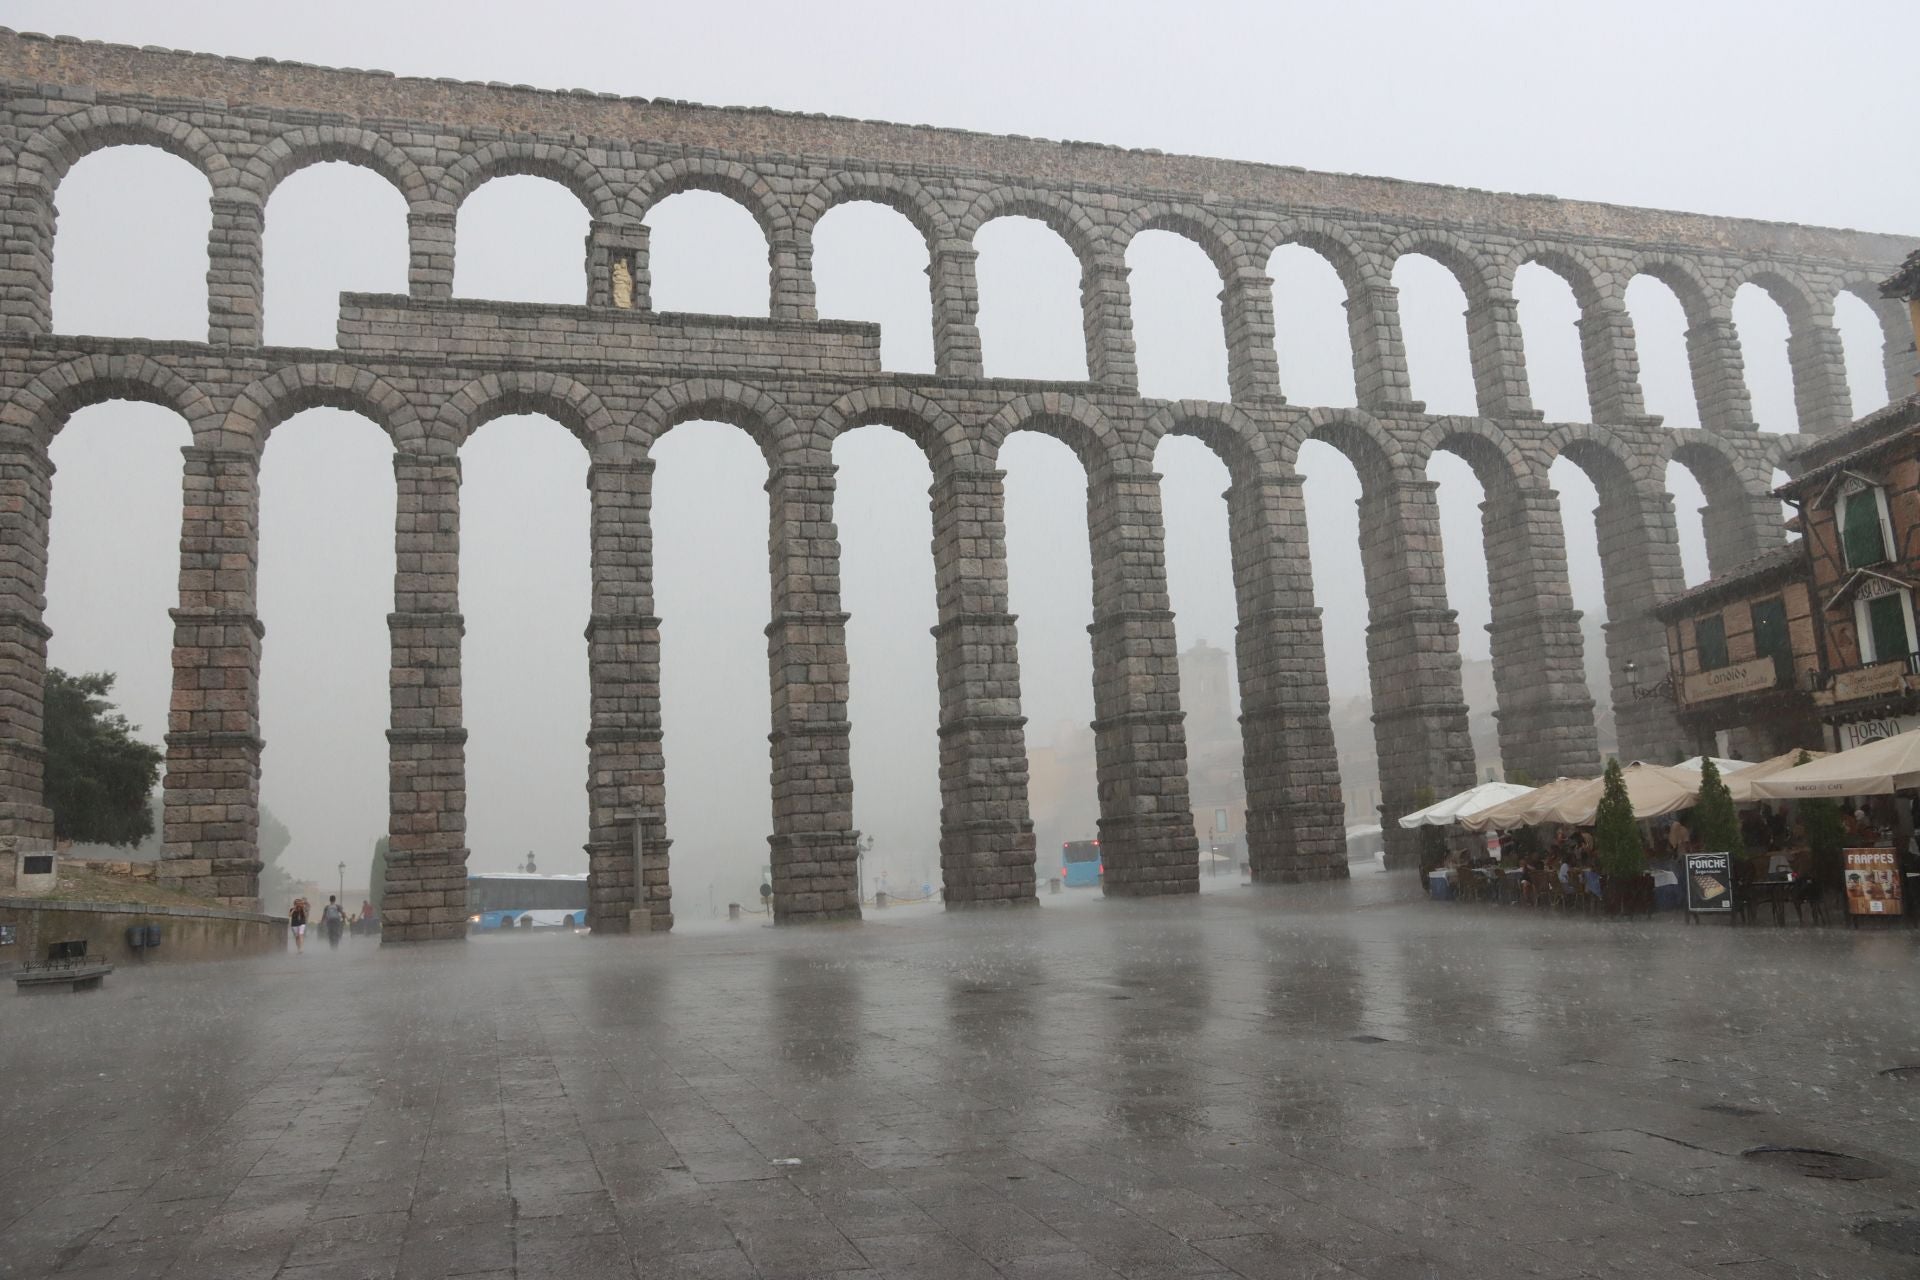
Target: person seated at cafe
<point x="1753" y="830"/>
<point x="1779" y="834"/>
<point x="1679" y="838"/>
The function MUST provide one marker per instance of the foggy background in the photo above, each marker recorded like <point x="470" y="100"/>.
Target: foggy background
<point x="1758" y="110"/>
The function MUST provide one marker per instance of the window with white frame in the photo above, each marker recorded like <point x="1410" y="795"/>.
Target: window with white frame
<point x="1866" y="531"/>
<point x="1883" y="616"/>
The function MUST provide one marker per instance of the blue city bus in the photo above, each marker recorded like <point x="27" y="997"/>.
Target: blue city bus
<point x="1080" y="866"/>
<point x="513" y="900"/>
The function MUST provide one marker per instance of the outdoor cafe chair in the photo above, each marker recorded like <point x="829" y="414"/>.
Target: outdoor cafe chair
<point x="1805" y="894"/>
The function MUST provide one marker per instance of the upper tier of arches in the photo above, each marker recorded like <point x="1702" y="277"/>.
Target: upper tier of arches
<point x="248" y="156"/>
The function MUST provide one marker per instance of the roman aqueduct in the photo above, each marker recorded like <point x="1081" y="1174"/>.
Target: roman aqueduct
<point x="431" y="369"/>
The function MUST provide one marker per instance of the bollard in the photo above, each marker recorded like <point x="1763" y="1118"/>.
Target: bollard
<point x="880" y="899"/>
<point x="733" y="911"/>
<point x="1053" y="884"/>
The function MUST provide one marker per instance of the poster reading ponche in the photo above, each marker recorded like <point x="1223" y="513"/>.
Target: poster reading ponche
<point x="1873" y="882"/>
<point x="1709" y="882"/>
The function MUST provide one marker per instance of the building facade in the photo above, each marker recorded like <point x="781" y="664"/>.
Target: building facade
<point x="1744" y="657"/>
<point x="1859" y="502"/>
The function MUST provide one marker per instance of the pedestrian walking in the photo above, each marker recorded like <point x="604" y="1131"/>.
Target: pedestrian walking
<point x="334" y="920"/>
<point x="297" y="924"/>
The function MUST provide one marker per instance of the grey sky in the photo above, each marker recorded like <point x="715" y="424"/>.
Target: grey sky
<point x="1762" y="110"/>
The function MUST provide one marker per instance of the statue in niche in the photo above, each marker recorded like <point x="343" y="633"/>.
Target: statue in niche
<point x="622" y="283"/>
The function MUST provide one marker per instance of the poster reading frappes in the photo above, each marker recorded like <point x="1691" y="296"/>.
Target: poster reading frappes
<point x="1873" y="882"/>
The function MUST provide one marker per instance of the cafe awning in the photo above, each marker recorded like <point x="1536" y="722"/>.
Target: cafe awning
<point x="1654" y="789"/>
<point x="1740" y="785"/>
<point x="1878" y="768"/>
<point x="1508" y="814"/>
<point x="1444" y="813"/>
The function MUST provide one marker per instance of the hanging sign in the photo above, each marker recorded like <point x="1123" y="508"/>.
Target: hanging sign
<point x="1873" y="882"/>
<point x="1741" y="677"/>
<point x="1709" y="882"/>
<point x="1868" y="682"/>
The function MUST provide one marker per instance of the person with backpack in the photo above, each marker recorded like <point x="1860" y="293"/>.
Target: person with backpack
<point x="297" y="924"/>
<point x="333" y="920"/>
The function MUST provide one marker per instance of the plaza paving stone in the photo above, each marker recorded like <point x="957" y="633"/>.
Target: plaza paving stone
<point x="1339" y="1081"/>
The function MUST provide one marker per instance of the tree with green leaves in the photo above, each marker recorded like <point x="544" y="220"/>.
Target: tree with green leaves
<point x="275" y="884"/>
<point x="98" y="775"/>
<point x="1616" y="837"/>
<point x="377" y="874"/>
<point x="1715" y="824"/>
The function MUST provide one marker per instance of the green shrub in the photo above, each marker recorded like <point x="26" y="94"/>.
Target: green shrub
<point x="1616" y="838"/>
<point x="1714" y="822"/>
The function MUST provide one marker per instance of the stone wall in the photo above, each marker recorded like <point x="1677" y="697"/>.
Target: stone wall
<point x="187" y="933"/>
<point x="430" y="371"/>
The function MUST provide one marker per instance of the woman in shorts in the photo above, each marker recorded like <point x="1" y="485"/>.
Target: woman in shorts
<point x="297" y="922"/>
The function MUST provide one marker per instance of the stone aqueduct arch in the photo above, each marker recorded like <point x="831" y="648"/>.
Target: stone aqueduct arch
<point x="430" y="369"/>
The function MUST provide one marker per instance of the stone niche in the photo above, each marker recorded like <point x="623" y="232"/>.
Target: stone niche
<point x="27" y="872"/>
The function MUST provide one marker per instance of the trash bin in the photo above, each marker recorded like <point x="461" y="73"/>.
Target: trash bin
<point x="733" y="911"/>
<point x="880" y="899"/>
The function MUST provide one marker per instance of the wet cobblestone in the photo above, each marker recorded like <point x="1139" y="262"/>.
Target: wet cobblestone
<point x="1331" y="1082"/>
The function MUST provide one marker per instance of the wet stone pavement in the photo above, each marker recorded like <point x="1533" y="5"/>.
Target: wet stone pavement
<point x="1317" y="1083"/>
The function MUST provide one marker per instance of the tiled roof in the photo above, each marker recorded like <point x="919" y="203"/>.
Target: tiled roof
<point x="1905" y="282"/>
<point x="1827" y="454"/>
<point x="1781" y="562"/>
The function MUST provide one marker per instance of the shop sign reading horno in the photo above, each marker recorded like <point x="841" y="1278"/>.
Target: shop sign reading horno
<point x="1741" y="677"/>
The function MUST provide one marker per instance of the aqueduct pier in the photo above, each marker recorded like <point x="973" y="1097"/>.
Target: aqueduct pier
<point x="430" y="369"/>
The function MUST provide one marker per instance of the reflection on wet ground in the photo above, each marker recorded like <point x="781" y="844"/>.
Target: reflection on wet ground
<point x="1334" y="1081"/>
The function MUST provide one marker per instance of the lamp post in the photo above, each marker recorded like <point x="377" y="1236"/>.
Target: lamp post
<point x="1662" y="690"/>
<point x="343" y="883"/>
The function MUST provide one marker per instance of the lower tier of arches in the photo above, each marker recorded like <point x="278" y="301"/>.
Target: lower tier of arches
<point x="233" y="400"/>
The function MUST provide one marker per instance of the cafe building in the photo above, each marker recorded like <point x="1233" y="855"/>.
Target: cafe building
<point x="1744" y="658"/>
<point x="1857" y="496"/>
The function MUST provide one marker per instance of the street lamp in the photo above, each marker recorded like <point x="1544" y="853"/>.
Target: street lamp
<point x="343" y="883"/>
<point x="1662" y="690"/>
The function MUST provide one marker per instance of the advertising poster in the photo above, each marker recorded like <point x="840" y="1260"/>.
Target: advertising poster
<point x="1873" y="882"/>
<point x="1709" y="882"/>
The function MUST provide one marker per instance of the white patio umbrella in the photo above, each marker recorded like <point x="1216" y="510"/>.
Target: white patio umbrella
<point x="1723" y="765"/>
<point x="1444" y="813"/>
<point x="1878" y="768"/>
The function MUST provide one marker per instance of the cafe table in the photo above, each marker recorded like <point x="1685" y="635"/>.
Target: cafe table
<point x="1771" y="891"/>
